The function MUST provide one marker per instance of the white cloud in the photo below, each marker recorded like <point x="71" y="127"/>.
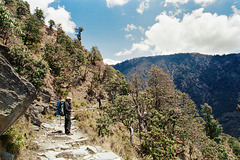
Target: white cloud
<point x="131" y="27"/>
<point x="59" y="15"/>
<point x="62" y="16"/>
<point x="141" y="29"/>
<point x="42" y="4"/>
<point x="110" y="61"/>
<point x="175" y="13"/>
<point x="175" y="2"/>
<point x="112" y="3"/>
<point x="204" y="2"/>
<point x="136" y="47"/>
<point x="235" y="10"/>
<point x="198" y="31"/>
<point x="143" y="6"/>
<point x="129" y="36"/>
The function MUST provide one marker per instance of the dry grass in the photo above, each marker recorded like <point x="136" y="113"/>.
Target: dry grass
<point x="118" y="142"/>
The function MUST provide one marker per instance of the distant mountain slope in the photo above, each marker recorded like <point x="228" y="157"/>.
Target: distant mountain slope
<point x="207" y="79"/>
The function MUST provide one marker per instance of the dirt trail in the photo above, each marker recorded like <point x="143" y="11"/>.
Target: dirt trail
<point x="55" y="145"/>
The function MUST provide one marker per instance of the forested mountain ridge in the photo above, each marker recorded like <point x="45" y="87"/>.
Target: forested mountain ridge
<point x="207" y="79"/>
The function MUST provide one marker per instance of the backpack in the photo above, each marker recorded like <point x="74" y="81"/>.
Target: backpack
<point x="60" y="108"/>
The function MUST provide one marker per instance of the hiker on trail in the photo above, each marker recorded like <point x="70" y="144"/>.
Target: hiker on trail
<point x="99" y="101"/>
<point x="67" y="111"/>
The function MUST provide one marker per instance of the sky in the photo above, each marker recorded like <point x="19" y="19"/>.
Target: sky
<point x="126" y="29"/>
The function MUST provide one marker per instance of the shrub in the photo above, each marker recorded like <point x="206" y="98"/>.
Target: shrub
<point x="31" y="31"/>
<point x="8" y="24"/>
<point x="17" y="138"/>
<point x="234" y="144"/>
<point x="212" y="127"/>
<point x="33" y="70"/>
<point x="23" y="8"/>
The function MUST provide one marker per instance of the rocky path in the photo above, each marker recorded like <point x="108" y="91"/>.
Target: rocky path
<point x="55" y="145"/>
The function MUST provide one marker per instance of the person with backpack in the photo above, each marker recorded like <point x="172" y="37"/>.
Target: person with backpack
<point x="67" y="111"/>
<point x="99" y="102"/>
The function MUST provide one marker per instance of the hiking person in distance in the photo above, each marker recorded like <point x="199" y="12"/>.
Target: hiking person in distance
<point x="99" y="102"/>
<point x="67" y="111"/>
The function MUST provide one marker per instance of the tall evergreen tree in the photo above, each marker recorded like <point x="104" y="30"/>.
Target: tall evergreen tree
<point x="39" y="14"/>
<point x="212" y="127"/>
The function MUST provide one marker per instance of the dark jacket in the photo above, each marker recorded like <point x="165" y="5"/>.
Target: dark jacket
<point x="67" y="107"/>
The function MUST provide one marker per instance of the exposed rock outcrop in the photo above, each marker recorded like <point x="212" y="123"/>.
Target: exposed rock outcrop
<point x="16" y="94"/>
<point x="36" y="109"/>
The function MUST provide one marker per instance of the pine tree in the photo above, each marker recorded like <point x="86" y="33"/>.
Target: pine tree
<point x="212" y="127"/>
<point x="39" y="14"/>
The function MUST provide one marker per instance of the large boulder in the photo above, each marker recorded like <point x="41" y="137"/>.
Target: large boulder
<point x="16" y="94"/>
<point x="36" y="109"/>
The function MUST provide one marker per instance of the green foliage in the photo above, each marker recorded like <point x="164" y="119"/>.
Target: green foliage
<point x="207" y="79"/>
<point x="163" y="123"/>
<point x="12" y="141"/>
<point x="8" y="24"/>
<point x="161" y="85"/>
<point x="65" y="62"/>
<point x="80" y="57"/>
<point x="116" y="85"/>
<point x="33" y="70"/>
<point x="83" y="103"/>
<point x="212" y="127"/>
<point x="108" y="73"/>
<point x="17" y="138"/>
<point x="54" y="59"/>
<point x="235" y="145"/>
<point x="23" y="8"/>
<point x="31" y="31"/>
<point x="39" y="15"/>
<point x="65" y="41"/>
<point x="96" y="55"/>
<point x="9" y="2"/>
<point x="155" y="116"/>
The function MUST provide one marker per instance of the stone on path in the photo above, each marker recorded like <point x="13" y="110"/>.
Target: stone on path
<point x="106" y="156"/>
<point x="55" y="145"/>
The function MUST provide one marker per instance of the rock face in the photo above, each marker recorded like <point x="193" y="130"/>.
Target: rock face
<point x="16" y="94"/>
<point x="35" y="111"/>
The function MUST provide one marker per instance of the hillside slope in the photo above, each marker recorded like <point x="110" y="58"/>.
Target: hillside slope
<point x="207" y="79"/>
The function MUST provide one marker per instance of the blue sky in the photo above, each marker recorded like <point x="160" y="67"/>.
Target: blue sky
<point x="124" y="29"/>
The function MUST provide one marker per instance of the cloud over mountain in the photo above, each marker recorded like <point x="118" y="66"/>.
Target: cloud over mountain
<point x="198" y="31"/>
<point x="110" y="61"/>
